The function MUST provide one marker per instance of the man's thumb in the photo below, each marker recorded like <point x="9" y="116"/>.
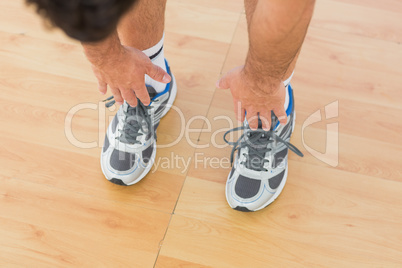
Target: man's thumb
<point x="223" y="83"/>
<point x="158" y="74"/>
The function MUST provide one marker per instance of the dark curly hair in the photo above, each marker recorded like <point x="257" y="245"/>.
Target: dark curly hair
<point x="84" y="20"/>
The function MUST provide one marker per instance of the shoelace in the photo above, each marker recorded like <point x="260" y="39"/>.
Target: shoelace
<point x="257" y="143"/>
<point x="133" y="121"/>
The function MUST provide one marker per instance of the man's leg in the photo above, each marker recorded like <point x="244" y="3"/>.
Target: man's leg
<point x="260" y="167"/>
<point x="143" y="28"/>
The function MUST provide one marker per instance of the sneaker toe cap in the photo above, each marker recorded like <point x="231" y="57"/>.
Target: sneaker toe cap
<point x="122" y="161"/>
<point x="247" y="194"/>
<point x="125" y="168"/>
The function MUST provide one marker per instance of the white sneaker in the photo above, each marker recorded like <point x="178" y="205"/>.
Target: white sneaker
<point x="260" y="168"/>
<point x="130" y="144"/>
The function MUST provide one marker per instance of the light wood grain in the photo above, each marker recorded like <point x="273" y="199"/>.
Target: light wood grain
<point x="382" y="21"/>
<point x="58" y="210"/>
<point x="321" y="214"/>
<point x="46" y="226"/>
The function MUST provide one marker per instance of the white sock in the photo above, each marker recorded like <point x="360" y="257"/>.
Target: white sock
<point x="157" y="56"/>
<point x="286" y="83"/>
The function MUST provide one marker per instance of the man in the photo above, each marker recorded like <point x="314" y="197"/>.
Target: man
<point x="127" y="57"/>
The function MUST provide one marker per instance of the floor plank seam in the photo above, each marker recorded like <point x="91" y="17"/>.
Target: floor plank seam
<point x="198" y="140"/>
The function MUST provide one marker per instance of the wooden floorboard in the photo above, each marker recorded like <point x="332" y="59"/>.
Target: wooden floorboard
<point x="57" y="209"/>
<point x="44" y="226"/>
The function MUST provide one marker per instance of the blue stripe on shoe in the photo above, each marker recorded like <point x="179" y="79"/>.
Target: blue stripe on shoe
<point x="166" y="90"/>
<point x="290" y="105"/>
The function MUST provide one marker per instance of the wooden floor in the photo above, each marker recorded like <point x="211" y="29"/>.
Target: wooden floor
<point x="57" y="209"/>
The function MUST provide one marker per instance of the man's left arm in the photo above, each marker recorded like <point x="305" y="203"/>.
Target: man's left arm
<point x="277" y="29"/>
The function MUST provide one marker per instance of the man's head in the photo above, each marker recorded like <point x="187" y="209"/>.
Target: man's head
<point x="84" y="20"/>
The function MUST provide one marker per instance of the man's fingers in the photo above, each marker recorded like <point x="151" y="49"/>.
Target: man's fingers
<point x="281" y="114"/>
<point x="117" y="95"/>
<point x="265" y="118"/>
<point x="239" y="111"/>
<point x="224" y="82"/>
<point x="102" y="86"/>
<point x="142" y="94"/>
<point x="243" y="114"/>
<point x="158" y="74"/>
<point x="252" y="119"/>
<point x="130" y="97"/>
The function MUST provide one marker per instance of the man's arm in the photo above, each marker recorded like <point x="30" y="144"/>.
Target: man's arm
<point x="276" y="32"/>
<point x="97" y="52"/>
<point x="123" y="69"/>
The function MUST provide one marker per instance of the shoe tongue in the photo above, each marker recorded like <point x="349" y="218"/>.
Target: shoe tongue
<point x="256" y="153"/>
<point x="255" y="159"/>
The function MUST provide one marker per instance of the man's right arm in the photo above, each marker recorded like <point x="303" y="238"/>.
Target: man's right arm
<point x="97" y="52"/>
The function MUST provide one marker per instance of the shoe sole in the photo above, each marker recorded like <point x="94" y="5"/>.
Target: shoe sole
<point x="169" y="104"/>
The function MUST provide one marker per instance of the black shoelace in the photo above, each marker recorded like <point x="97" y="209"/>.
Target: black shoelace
<point x="257" y="142"/>
<point x="137" y="122"/>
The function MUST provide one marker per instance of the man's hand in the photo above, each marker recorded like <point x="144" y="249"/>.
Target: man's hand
<point x="123" y="69"/>
<point x="255" y="96"/>
<point x="125" y="75"/>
